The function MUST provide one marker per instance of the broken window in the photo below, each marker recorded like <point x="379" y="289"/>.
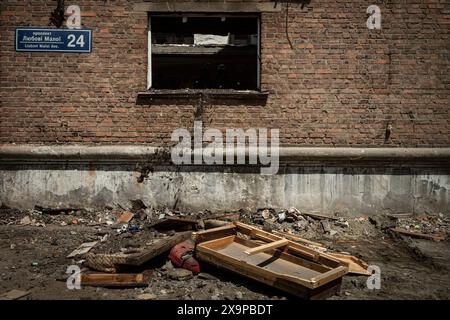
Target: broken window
<point x="204" y="52"/>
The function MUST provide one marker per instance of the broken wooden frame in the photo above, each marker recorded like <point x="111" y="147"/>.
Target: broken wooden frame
<point x="280" y="263"/>
<point x="115" y="262"/>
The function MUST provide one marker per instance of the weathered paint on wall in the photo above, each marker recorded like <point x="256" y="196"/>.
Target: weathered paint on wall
<point x="328" y="189"/>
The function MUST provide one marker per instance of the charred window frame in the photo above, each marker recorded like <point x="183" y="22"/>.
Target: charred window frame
<point x="182" y="54"/>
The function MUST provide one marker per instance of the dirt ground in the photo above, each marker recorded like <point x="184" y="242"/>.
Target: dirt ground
<point x="33" y="258"/>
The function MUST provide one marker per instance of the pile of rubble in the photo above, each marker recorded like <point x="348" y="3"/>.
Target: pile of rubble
<point x="129" y="240"/>
<point x="310" y="225"/>
<point x="431" y="227"/>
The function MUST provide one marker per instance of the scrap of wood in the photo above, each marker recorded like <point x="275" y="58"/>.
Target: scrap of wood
<point x="125" y="217"/>
<point x="214" y="233"/>
<point x="267" y="246"/>
<point x="82" y="249"/>
<point x="329" y="276"/>
<point x="354" y="264"/>
<point x="434" y="237"/>
<point x="113" y="280"/>
<point x="298" y="239"/>
<point x="319" y="216"/>
<point x="14" y="294"/>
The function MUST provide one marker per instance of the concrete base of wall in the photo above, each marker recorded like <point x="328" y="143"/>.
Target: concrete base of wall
<point x="358" y="190"/>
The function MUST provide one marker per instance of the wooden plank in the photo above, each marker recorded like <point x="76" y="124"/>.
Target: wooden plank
<point x="354" y="264"/>
<point x="268" y="246"/>
<point x="113" y="280"/>
<point x="329" y="276"/>
<point x="298" y="239"/>
<point x="327" y="290"/>
<point x="319" y="216"/>
<point x="433" y="237"/>
<point x="214" y="233"/>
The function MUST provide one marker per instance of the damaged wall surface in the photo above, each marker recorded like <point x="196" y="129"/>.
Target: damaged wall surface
<point x="325" y="80"/>
<point x="326" y="189"/>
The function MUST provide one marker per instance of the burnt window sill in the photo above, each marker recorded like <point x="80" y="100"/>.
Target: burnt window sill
<point x="206" y="94"/>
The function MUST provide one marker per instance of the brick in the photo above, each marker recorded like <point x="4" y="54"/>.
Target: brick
<point x="332" y="83"/>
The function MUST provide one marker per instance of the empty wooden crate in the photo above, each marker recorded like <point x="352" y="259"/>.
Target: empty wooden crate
<point x="279" y="263"/>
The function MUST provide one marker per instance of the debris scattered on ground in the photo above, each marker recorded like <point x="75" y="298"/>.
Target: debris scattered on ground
<point x="383" y="222"/>
<point x="146" y="296"/>
<point x="180" y="274"/>
<point x="25" y="221"/>
<point x="433" y="237"/>
<point x="134" y="239"/>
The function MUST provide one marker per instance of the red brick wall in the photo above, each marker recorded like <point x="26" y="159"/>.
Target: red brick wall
<point x="339" y="84"/>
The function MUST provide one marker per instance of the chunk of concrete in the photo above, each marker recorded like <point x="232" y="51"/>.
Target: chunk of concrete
<point x="180" y="274"/>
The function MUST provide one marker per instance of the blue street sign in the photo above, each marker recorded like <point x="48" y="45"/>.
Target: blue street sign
<point x="53" y="40"/>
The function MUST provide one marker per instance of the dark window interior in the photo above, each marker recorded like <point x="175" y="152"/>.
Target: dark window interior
<point x="181" y="60"/>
